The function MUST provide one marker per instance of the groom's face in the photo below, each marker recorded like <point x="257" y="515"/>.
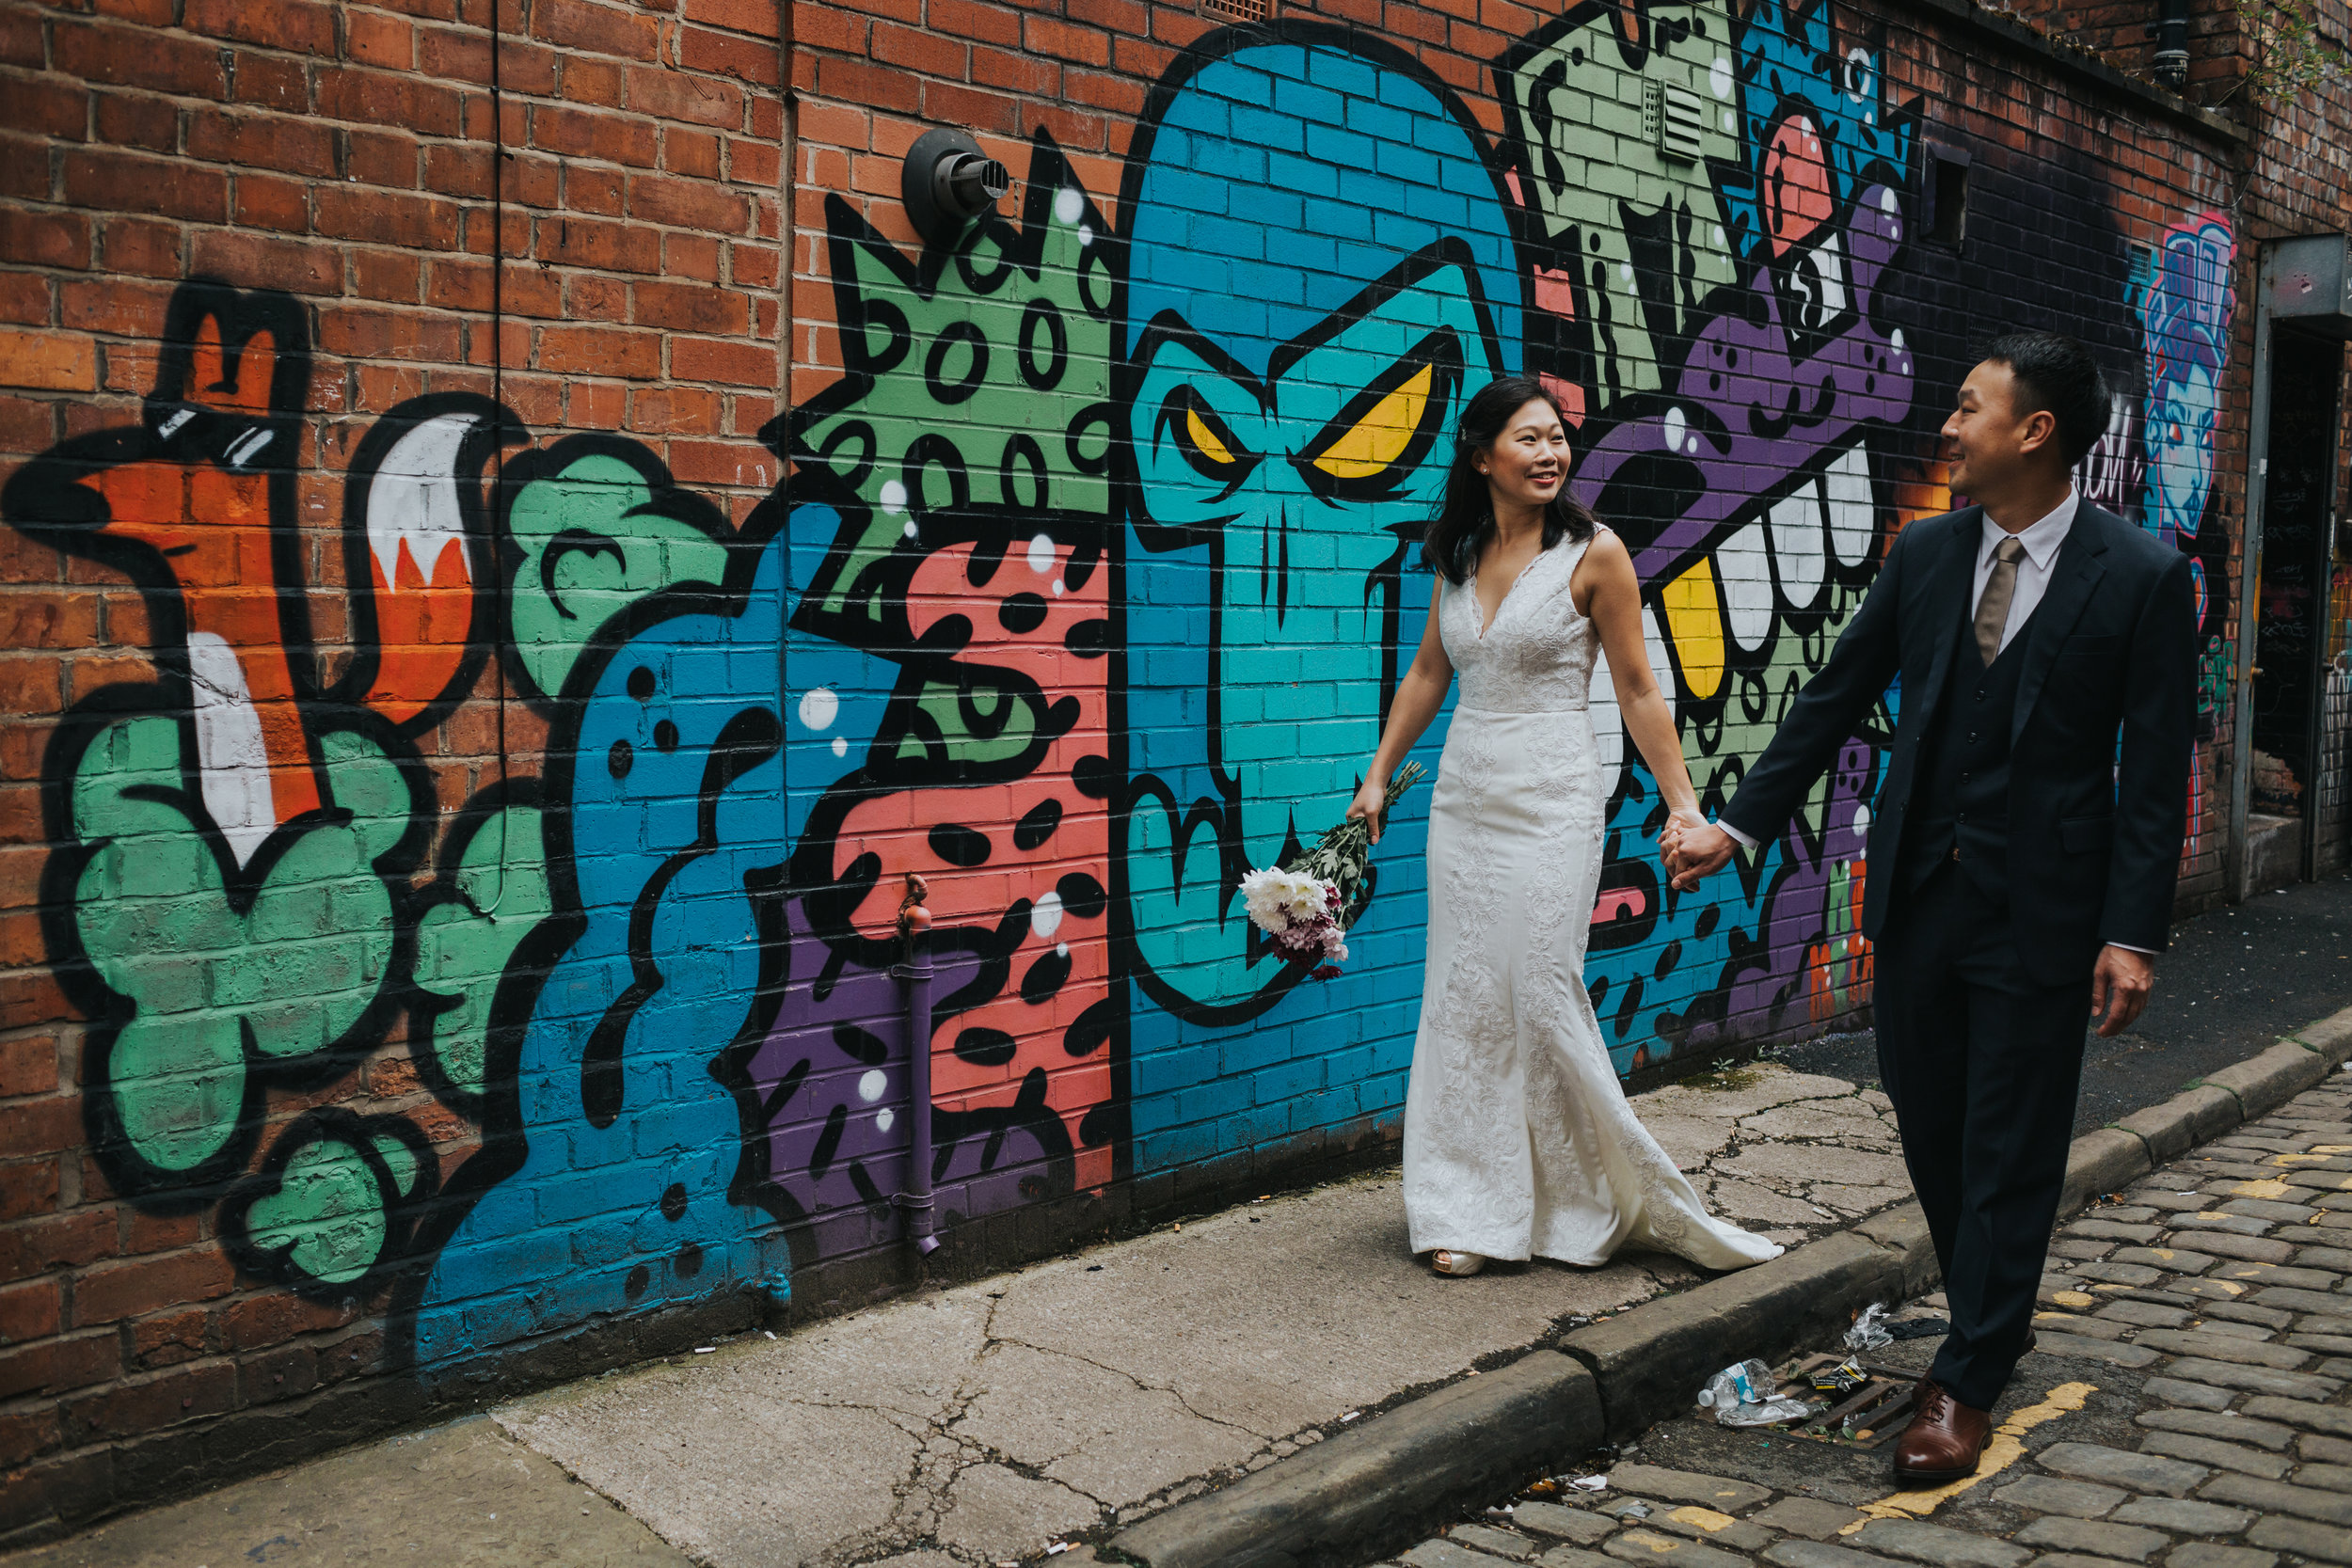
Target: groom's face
<point x="1990" y="442"/>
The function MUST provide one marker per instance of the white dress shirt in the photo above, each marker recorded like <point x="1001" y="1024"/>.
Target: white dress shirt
<point x="2041" y="542"/>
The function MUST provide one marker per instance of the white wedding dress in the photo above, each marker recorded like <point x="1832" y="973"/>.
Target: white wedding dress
<point x="1518" y="1137"/>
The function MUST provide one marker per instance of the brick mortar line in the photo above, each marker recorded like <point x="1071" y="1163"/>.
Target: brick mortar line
<point x="1364" y="1491"/>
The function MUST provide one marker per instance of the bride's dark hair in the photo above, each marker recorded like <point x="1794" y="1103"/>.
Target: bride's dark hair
<point x="1450" y="548"/>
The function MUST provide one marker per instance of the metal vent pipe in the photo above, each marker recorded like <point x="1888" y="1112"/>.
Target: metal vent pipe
<point x="2170" y="31"/>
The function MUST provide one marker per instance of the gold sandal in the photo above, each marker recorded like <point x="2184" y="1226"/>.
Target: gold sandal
<point x="1456" y="1265"/>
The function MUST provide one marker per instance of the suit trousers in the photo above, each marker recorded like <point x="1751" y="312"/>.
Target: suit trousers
<point x="1982" y="1065"/>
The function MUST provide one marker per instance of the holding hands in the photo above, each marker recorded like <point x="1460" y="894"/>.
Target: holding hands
<point x="1693" y="848"/>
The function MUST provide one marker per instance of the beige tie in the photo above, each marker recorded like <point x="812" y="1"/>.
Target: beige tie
<point x="1993" y="609"/>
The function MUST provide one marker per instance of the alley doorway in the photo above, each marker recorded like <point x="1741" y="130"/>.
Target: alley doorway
<point x="2300" y="680"/>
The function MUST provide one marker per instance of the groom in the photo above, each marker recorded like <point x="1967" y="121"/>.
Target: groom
<point x="2022" y="861"/>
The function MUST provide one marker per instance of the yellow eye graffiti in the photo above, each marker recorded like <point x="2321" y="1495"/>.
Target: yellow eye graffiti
<point x="1382" y="436"/>
<point x="1204" y="441"/>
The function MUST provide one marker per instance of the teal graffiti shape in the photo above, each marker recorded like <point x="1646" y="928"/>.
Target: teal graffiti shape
<point x="217" y="980"/>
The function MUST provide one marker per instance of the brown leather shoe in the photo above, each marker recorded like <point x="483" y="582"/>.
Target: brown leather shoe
<point x="1945" y="1438"/>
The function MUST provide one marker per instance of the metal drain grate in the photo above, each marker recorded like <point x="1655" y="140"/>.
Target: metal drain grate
<point x="1865" y="1417"/>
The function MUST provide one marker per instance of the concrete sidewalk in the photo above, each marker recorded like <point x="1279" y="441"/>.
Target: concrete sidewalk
<point x="978" y="1424"/>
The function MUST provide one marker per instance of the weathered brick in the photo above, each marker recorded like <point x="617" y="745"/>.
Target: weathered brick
<point x="618" y="138"/>
<point x="28" y="1187"/>
<point x="733" y="363"/>
<point x="260" y="141"/>
<point x="119" y="182"/>
<point x="596" y="351"/>
<point x="21" y="43"/>
<point x="382" y="98"/>
<point x="747" y="59"/>
<point x="52" y="1366"/>
<point x="46" y="106"/>
<point x="696" y="100"/>
<point x="296" y="265"/>
<point x="600" y="29"/>
<point x="373" y="38"/>
<point x="129" y="1408"/>
<point x="270" y="82"/>
<point x="256" y="1321"/>
<point x="26" y="1433"/>
<point x="150" y="1285"/>
<point x="140" y="57"/>
<point x="136" y="120"/>
<point x="299" y="26"/>
<point x="30" y="1126"/>
<point x="34" y="1310"/>
<point x="168" y="1339"/>
<point x="263" y="202"/>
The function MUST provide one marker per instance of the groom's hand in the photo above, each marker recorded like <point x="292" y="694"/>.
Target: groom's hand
<point x="2119" y="988"/>
<point x="1702" y="849"/>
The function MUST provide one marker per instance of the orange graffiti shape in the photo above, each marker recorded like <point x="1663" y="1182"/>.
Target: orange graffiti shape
<point x="1797" y="197"/>
<point x="212" y="526"/>
<point x="422" y="625"/>
<point x="898" y="828"/>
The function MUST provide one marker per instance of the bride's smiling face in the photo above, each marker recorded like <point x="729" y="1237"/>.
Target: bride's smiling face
<point x="1529" y="461"/>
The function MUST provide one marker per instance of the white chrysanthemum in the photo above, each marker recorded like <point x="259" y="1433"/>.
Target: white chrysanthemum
<point x="1306" y="897"/>
<point x="1266" y="895"/>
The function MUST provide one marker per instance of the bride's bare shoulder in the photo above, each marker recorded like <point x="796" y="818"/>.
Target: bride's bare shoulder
<point x="1605" y="561"/>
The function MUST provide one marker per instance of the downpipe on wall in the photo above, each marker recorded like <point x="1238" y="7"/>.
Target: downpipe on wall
<point x="914" y="980"/>
<point x="2170" y="31"/>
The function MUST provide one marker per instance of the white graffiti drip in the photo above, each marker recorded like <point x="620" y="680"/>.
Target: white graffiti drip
<point x="232" y="763"/>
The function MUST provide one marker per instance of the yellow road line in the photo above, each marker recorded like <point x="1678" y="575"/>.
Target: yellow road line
<point x="2005" y="1449"/>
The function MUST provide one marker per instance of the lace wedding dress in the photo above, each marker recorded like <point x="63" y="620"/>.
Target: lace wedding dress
<point x="1517" y="1138"/>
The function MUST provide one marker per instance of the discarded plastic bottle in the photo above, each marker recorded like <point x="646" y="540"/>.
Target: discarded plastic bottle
<point x="1742" y="1396"/>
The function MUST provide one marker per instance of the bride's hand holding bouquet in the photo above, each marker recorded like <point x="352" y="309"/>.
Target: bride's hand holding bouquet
<point x="1308" y="905"/>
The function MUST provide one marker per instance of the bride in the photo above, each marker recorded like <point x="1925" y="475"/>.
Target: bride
<point x="1517" y="1138"/>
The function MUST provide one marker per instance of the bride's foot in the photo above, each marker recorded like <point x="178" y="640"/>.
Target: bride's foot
<point x="1457" y="1265"/>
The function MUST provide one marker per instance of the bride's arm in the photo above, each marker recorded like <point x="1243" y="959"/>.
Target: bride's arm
<point x="1419" y="696"/>
<point x="1615" y="608"/>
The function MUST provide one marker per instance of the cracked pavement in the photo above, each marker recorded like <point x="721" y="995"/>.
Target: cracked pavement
<point x="978" y="1423"/>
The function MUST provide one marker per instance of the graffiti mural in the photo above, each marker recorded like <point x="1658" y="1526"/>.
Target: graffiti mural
<point x="1287" y="431"/>
<point x="243" y="831"/>
<point x="949" y="659"/>
<point x="1720" y="327"/>
<point x="1086" y="588"/>
<point x="2184" y="307"/>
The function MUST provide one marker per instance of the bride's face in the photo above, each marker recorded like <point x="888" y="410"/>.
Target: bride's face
<point x="1529" y="461"/>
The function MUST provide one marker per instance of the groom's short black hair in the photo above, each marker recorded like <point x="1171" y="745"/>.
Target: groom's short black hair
<point x="2056" y="373"/>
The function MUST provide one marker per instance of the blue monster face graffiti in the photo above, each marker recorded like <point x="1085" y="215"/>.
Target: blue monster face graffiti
<point x="1320" y="271"/>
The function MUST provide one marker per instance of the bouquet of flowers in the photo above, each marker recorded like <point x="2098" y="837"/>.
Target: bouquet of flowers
<point x="1308" y="905"/>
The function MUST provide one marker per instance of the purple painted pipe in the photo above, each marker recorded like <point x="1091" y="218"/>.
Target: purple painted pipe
<point x="916" y="976"/>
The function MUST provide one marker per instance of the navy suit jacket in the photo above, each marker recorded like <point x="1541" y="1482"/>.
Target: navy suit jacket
<point x="2101" y="743"/>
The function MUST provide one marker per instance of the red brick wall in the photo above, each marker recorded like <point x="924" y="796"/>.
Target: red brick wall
<point x="219" y="1252"/>
<point x="347" y="157"/>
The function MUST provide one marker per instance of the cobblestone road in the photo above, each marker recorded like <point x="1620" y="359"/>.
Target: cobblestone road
<point x="2186" y="1408"/>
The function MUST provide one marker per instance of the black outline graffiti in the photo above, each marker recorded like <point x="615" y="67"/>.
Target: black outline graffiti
<point x="400" y="1209"/>
<point x="1129" y="508"/>
<point x="47" y="500"/>
<point x="908" y="751"/>
<point x="496" y="428"/>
